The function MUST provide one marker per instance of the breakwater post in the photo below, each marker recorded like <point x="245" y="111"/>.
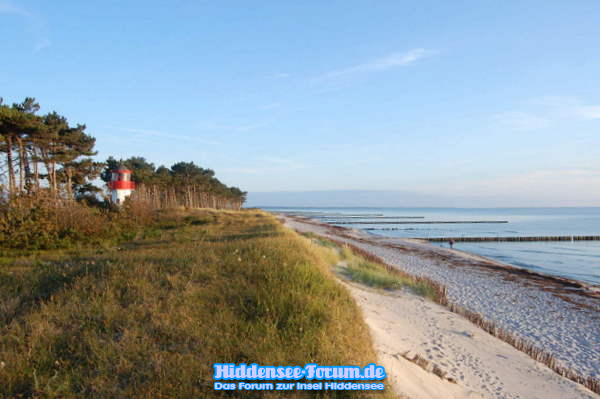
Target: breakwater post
<point x="515" y="239"/>
<point x="425" y="222"/>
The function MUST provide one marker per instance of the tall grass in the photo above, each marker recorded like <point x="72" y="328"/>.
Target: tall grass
<point x="365" y="268"/>
<point x="147" y="319"/>
<point x="44" y="222"/>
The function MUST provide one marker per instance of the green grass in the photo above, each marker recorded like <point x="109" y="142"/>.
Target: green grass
<point x="149" y="317"/>
<point x="356" y="268"/>
<point x="377" y="277"/>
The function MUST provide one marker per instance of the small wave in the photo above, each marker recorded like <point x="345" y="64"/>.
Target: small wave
<point x="527" y="265"/>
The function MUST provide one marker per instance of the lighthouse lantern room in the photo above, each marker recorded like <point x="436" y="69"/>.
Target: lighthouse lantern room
<point x="120" y="185"/>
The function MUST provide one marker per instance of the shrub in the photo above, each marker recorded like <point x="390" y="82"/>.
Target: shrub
<point x="43" y="222"/>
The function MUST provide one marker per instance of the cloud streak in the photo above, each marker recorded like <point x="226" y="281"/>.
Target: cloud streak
<point x="390" y="61"/>
<point x="232" y="128"/>
<point x="588" y="111"/>
<point x="44" y="43"/>
<point x="549" y="111"/>
<point x="521" y="120"/>
<point x="157" y="133"/>
<point x="267" y="107"/>
<point x="36" y="24"/>
<point x="7" y="7"/>
<point x="267" y="165"/>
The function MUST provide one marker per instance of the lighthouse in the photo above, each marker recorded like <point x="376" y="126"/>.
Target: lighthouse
<point x="120" y="185"/>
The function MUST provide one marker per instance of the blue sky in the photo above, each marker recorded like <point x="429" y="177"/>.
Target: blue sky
<point x="468" y="98"/>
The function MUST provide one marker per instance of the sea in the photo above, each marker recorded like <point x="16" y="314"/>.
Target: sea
<point x="579" y="260"/>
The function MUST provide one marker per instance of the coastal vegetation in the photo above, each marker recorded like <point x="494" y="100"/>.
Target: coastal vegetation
<point x="364" y="268"/>
<point x="51" y="191"/>
<point x="40" y="222"/>
<point x="183" y="184"/>
<point x="148" y="317"/>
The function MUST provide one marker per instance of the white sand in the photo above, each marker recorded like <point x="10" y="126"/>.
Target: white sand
<point x="482" y="365"/>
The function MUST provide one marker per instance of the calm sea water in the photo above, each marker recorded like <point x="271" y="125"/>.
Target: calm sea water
<point x="578" y="260"/>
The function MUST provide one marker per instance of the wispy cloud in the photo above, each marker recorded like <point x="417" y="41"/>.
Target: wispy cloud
<point x="521" y="120"/>
<point x="270" y="106"/>
<point x="34" y="22"/>
<point x="157" y="133"/>
<point x="232" y="128"/>
<point x="390" y="61"/>
<point x="569" y="107"/>
<point x="277" y="160"/>
<point x="588" y="111"/>
<point x="267" y="165"/>
<point x="555" y="101"/>
<point x="546" y="111"/>
<point x="7" y="7"/>
<point x="282" y="75"/>
<point x="244" y="171"/>
<point x="249" y="127"/>
<point x="44" y="43"/>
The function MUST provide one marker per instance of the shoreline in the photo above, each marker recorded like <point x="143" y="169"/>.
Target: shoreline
<point x="584" y="287"/>
<point x="552" y="319"/>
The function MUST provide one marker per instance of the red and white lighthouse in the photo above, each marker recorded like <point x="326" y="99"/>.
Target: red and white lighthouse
<point x="120" y="185"/>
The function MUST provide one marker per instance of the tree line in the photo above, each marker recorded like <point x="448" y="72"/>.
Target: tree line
<point x="46" y="154"/>
<point x="183" y="184"/>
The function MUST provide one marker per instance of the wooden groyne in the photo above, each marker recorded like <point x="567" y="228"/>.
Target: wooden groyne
<point x="427" y="222"/>
<point x="336" y="216"/>
<point x="332" y="215"/>
<point x="367" y="217"/>
<point x="514" y="239"/>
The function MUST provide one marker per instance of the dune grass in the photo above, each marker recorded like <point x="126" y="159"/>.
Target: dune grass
<point x="353" y="265"/>
<point x="147" y="319"/>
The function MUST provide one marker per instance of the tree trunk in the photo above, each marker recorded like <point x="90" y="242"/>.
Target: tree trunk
<point x="69" y="171"/>
<point x="54" y="185"/>
<point x="36" y="171"/>
<point x="11" y="168"/>
<point x="21" y="164"/>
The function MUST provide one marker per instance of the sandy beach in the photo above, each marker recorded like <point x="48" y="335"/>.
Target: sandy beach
<point x="559" y="316"/>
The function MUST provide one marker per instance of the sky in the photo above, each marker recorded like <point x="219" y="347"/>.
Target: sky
<point x="494" y="103"/>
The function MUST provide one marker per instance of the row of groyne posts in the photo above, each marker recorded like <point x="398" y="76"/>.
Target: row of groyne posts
<point x="378" y="220"/>
<point x="515" y="239"/>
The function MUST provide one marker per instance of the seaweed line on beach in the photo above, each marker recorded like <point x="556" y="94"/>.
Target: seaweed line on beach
<point x="490" y="327"/>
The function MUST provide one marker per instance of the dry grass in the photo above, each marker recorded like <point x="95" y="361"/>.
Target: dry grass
<point x="148" y="319"/>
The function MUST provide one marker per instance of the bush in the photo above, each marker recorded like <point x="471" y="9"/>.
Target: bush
<point x="43" y="222"/>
